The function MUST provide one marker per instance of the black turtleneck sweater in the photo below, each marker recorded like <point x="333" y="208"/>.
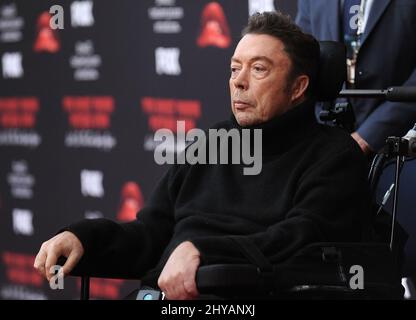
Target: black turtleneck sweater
<point x="312" y="188"/>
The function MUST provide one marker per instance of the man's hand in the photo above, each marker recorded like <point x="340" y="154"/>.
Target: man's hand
<point x="177" y="279"/>
<point x="362" y="143"/>
<point x="64" y="244"/>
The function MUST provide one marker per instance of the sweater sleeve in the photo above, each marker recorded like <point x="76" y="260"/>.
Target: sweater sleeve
<point x="128" y="249"/>
<point x="331" y="203"/>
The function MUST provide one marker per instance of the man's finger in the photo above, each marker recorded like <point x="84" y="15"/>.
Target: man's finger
<point x="174" y="289"/>
<point x="189" y="285"/>
<point x="51" y="260"/>
<point x="71" y="262"/>
<point x="40" y="261"/>
<point x="171" y="291"/>
<point x="176" y="293"/>
<point x="179" y="289"/>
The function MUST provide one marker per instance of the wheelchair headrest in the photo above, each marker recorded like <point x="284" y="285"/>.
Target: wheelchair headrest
<point x="332" y="70"/>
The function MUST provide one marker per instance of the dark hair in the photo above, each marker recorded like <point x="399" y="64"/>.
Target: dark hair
<point x="303" y="49"/>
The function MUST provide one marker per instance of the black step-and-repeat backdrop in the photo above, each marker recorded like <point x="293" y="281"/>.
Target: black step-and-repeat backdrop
<point x="84" y="84"/>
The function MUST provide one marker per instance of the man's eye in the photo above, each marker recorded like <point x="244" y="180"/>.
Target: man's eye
<point x="234" y="71"/>
<point x="259" y="69"/>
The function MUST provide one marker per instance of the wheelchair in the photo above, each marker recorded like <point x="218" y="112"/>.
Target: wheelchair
<point x="368" y="270"/>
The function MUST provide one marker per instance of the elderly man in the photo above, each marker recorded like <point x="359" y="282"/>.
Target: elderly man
<point x="312" y="186"/>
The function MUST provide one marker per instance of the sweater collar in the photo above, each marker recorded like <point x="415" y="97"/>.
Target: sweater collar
<point x="281" y="132"/>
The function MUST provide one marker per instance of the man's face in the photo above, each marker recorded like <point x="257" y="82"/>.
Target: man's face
<point x="258" y="82"/>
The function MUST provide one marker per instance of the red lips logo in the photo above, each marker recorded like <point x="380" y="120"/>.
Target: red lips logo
<point x="214" y="27"/>
<point x="131" y="202"/>
<point x="47" y="39"/>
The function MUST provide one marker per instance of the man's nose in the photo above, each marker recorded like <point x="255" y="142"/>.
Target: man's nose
<point x="241" y="81"/>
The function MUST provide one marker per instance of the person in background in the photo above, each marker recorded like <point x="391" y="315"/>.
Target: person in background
<point x="381" y="53"/>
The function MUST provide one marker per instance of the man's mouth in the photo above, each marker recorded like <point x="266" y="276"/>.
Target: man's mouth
<point x="241" y="105"/>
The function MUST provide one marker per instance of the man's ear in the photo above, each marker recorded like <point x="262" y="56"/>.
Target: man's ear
<point x="299" y="86"/>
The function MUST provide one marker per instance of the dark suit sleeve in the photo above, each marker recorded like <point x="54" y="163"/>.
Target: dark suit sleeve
<point x="389" y="119"/>
<point x="332" y="203"/>
<point x="128" y="249"/>
<point x="303" y="16"/>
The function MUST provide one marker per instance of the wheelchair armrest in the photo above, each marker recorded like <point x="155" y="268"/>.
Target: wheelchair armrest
<point x="228" y="278"/>
<point x="82" y="270"/>
<point x="319" y="269"/>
